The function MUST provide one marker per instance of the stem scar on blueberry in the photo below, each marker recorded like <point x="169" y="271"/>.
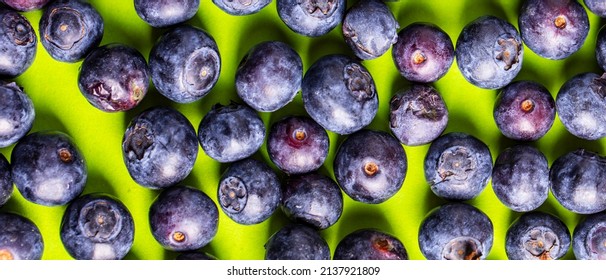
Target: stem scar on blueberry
<point x="371" y="168"/>
<point x="6" y="255"/>
<point x="560" y="22"/>
<point x="418" y="57"/>
<point x="65" y="155"/>
<point x="527" y="106"/>
<point x="382" y="245"/>
<point x="178" y="236"/>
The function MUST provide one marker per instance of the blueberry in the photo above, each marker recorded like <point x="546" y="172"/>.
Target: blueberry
<point x="553" y="29"/>
<point x="369" y="28"/>
<point x="423" y="52"/>
<point x="524" y="110"/>
<point x="537" y="236"/>
<point x="20" y="238"/>
<point x="311" y="18"/>
<point x="313" y="199"/>
<point x="577" y="181"/>
<point x="597" y="7"/>
<point x="48" y="168"/>
<point x="340" y="94"/>
<point x="456" y="231"/>
<point x="26" y="5"/>
<point x="249" y="191"/>
<point x="159" y="147"/>
<point x="296" y="242"/>
<point x="70" y="29"/>
<point x="489" y="52"/>
<point x="164" y="13"/>
<point x="18" y="43"/>
<point x="520" y="178"/>
<point x="186" y="73"/>
<point x="17" y="114"/>
<point x="297" y="144"/>
<point x="269" y="76"/>
<point x="589" y="237"/>
<point x="6" y="181"/>
<point x="183" y="218"/>
<point x="370" y="166"/>
<point x="370" y="244"/>
<point x="195" y="255"/>
<point x="241" y="7"/>
<point x="580" y="106"/>
<point x="600" y="47"/>
<point x="97" y="226"/>
<point x="417" y="115"/>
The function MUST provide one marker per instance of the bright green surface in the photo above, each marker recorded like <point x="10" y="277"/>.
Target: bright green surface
<point x="60" y="106"/>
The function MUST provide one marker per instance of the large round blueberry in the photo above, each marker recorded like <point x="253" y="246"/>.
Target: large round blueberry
<point x="70" y="29"/>
<point x="97" y="226"/>
<point x="369" y="28"/>
<point x="537" y="236"/>
<point x="370" y="244"/>
<point x="48" y="168"/>
<point x="17" y="114"/>
<point x="26" y="5"/>
<point x="164" y="13"/>
<point x="18" y="43"/>
<point x="241" y="7"/>
<point x="312" y="18"/>
<point x="589" y="237"/>
<point x="340" y="94"/>
<point x="296" y="242"/>
<point x="159" y="147"/>
<point x="185" y="64"/>
<point x="20" y="238"/>
<point x="597" y="7"/>
<point x="6" y="180"/>
<point x="489" y="52"/>
<point x="370" y="166"/>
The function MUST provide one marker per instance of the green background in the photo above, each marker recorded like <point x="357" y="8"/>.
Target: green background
<point x="59" y="105"/>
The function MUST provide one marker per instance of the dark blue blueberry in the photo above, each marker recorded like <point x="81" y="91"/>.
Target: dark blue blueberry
<point x="313" y="199"/>
<point x="48" y="168"/>
<point x="18" y="43"/>
<point x="164" y="13"/>
<point x="183" y="218"/>
<point x="297" y="145"/>
<point x="26" y="5"/>
<point x="456" y="231"/>
<point x="369" y="28"/>
<point x="185" y="64"/>
<point x="553" y="29"/>
<point x="6" y="181"/>
<point x="312" y="18"/>
<point x="195" y="255"/>
<point x="17" y="114"/>
<point x="537" y="236"/>
<point x="159" y="147"/>
<point x="423" y="52"/>
<point x="70" y="29"/>
<point x="370" y="166"/>
<point x="20" y="238"/>
<point x="520" y="178"/>
<point x="417" y="115"/>
<point x="580" y="106"/>
<point x="578" y="181"/>
<point x="297" y="242"/>
<point x="589" y="237"/>
<point x="269" y="76"/>
<point x="241" y="7"/>
<point x="600" y="47"/>
<point x="370" y="244"/>
<point x="249" y="191"/>
<point x="489" y="52"/>
<point x="340" y="94"/>
<point x="457" y="166"/>
<point x="597" y="7"/>
<point x="97" y="226"/>
<point x="114" y="77"/>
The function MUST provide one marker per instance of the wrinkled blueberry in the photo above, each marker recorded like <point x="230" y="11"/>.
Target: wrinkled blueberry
<point x="296" y="242"/>
<point x="241" y="7"/>
<point x="20" y="238"/>
<point x="26" y="5"/>
<point x="597" y="7"/>
<point x="589" y="237"/>
<point x="369" y="28"/>
<point x="18" y="43"/>
<point x="164" y="13"/>
<point x="6" y="181"/>
<point x="17" y="114"/>
<point x="312" y="18"/>
<point x="537" y="236"/>
<point x="370" y="244"/>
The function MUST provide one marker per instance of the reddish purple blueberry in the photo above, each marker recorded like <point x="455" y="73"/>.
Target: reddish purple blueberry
<point x="370" y="244"/>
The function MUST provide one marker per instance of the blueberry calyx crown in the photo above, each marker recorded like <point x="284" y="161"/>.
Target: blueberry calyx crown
<point x="200" y="70"/>
<point x="462" y="248"/>
<point x="598" y="86"/>
<point x="69" y="23"/>
<point x="596" y="241"/>
<point x="100" y="221"/>
<point x="18" y="29"/>
<point x="507" y="51"/>
<point x="456" y="162"/>
<point x="359" y="82"/>
<point x="542" y="243"/>
<point x="138" y="140"/>
<point x="233" y="195"/>
<point x="319" y="8"/>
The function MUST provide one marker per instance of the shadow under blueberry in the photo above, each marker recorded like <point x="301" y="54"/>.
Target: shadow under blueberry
<point x="362" y="216"/>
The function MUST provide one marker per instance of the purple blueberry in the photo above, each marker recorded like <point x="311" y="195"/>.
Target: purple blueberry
<point x="6" y="181"/>
<point x="537" y="236"/>
<point x="18" y="43"/>
<point x="370" y="244"/>
<point x="26" y="5"/>
<point x="165" y="13"/>
<point x="311" y="18"/>
<point x="600" y="47"/>
<point x="597" y="7"/>
<point x="17" y="114"/>
<point x="589" y="237"/>
<point x="195" y="255"/>
<point x="241" y="7"/>
<point x="296" y="242"/>
<point x="20" y="238"/>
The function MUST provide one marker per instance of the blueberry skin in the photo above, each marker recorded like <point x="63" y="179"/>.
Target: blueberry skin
<point x="6" y="181"/>
<point x="241" y="7"/>
<point x="17" y="114"/>
<point x="520" y="178"/>
<point x="185" y="64"/>
<point x="18" y="43"/>
<point x="537" y="236"/>
<point x="20" y="238"/>
<point x="183" y="218"/>
<point x="313" y="199"/>
<point x="159" y="147"/>
<point x="597" y="7"/>
<point x="249" y="191"/>
<point x="580" y="106"/>
<point x="600" y="47"/>
<point x="231" y="133"/>
<point x="164" y="13"/>
<point x="311" y="18"/>
<point x="195" y="255"/>
<point x="417" y="115"/>
<point x="70" y="29"/>
<point x="489" y="52"/>
<point x="26" y="5"/>
<point x="114" y="77"/>
<point x="269" y="76"/>
<point x="48" y="168"/>
<point x="296" y="242"/>
<point x="97" y="226"/>
<point x="340" y="94"/>
<point x="369" y="28"/>
<point x="456" y="231"/>
<point x="370" y="166"/>
<point x="370" y="244"/>
<point x="578" y="181"/>
<point x="589" y="237"/>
